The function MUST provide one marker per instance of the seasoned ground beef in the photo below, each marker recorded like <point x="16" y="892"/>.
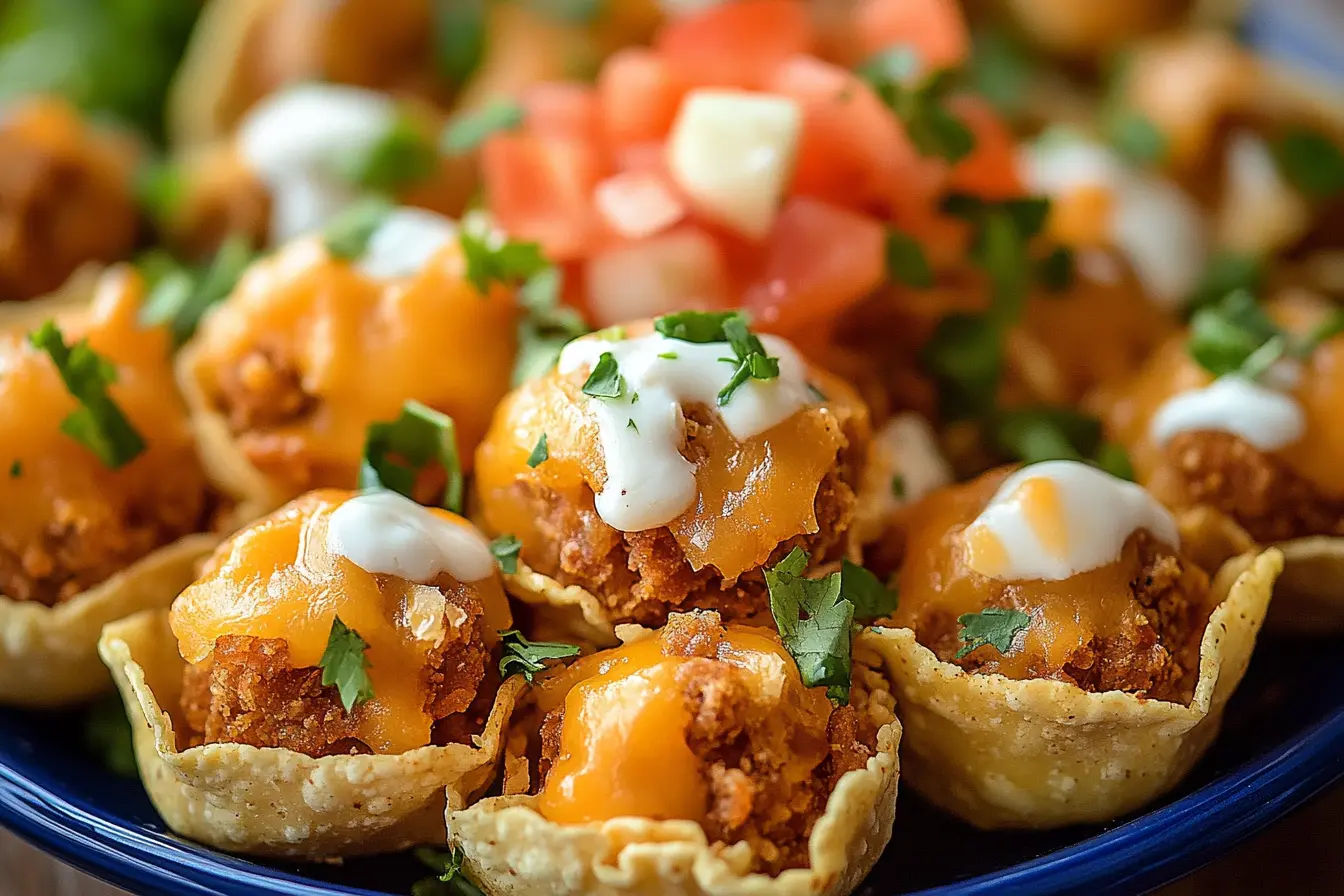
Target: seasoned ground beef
<point x="745" y="750"/>
<point x="1266" y="498"/>
<point x="88" y="541"/>
<point x="247" y="693"/>
<point x="643" y="576"/>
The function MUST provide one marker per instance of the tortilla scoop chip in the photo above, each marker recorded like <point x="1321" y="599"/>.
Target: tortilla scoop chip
<point x="510" y="849"/>
<point x="1002" y="753"/>
<point x="276" y="802"/>
<point x="49" y="655"/>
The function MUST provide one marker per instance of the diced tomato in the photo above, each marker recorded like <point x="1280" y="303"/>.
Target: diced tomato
<point x="934" y="28"/>
<point x="638" y="204"/>
<point x="639" y="96"/>
<point x="853" y="147"/>
<point x="565" y="109"/>
<point x="648" y="157"/>
<point x="821" y="260"/>
<point x="991" y="170"/>
<point x="680" y="269"/>
<point x="735" y="44"/>
<point x="945" y="239"/>
<point x="541" y="189"/>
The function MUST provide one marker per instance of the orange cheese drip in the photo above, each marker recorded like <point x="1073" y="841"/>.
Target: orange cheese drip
<point x="361" y="347"/>
<point x="752" y="495"/>
<point x="623" y="749"/>
<point x="275" y="579"/>
<point x="52" y="474"/>
<point x="1128" y="409"/>
<point x="937" y="583"/>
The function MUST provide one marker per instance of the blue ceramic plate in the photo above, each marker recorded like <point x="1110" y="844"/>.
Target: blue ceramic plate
<point x="1283" y="742"/>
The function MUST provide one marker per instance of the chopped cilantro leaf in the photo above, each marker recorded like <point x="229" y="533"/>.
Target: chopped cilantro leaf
<point x="396" y="452"/>
<point x="459" y="38"/>
<point x="668" y="356"/>
<point x="992" y="626"/>
<point x="752" y="361"/>
<point x="468" y="130"/>
<point x="630" y="424"/>
<point x="347" y="235"/>
<point x="1224" y="335"/>
<point x="605" y="381"/>
<point x="400" y="157"/>
<point x="344" y="665"/>
<point x="509" y="263"/>
<point x="898" y="487"/>
<point x="180" y="297"/>
<point x="107" y="734"/>
<point x="817" y="394"/>
<point x="98" y="423"/>
<point x="1034" y="434"/>
<point x="1114" y="459"/>
<point x="546" y="328"/>
<point x="1056" y="270"/>
<point x="965" y="357"/>
<point x="906" y="262"/>
<point x="871" y="599"/>
<point x="919" y="101"/>
<point x="16" y="469"/>
<point x="1000" y="70"/>
<point x="540" y="453"/>
<point x="696" y="326"/>
<point x="1135" y="137"/>
<point x="1312" y="163"/>
<point x="610" y="334"/>
<point x="449" y="879"/>
<point x="159" y="189"/>
<point x="506" y="548"/>
<point x="1225" y="272"/>
<point x="815" y="623"/>
<point x="519" y="655"/>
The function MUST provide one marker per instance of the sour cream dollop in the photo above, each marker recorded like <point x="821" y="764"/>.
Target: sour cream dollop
<point x="1056" y="519"/>
<point x="405" y="242"/>
<point x="1264" y="417"/>
<point x="383" y="532"/>
<point x="1157" y="226"/>
<point x="648" y="481"/>
<point x="293" y="141"/>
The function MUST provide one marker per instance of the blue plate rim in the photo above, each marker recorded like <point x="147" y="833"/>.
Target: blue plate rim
<point x="1146" y="852"/>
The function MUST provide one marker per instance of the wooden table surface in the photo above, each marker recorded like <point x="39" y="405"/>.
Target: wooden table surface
<point x="1308" y="842"/>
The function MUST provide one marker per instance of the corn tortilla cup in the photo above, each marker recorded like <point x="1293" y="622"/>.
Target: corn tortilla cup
<point x="510" y="849"/>
<point x="1003" y="753"/>
<point x="276" y="802"/>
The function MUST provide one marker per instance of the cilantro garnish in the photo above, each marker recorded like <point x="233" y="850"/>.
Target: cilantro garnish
<point x="344" y="665"/>
<point x="180" y="296"/>
<point x="965" y="357"/>
<point x="401" y="157"/>
<point x="871" y="598"/>
<point x="519" y="655"/>
<point x="546" y="328"/>
<point x="395" y="452"/>
<point x="1311" y="162"/>
<point x="1035" y="434"/>
<point x="1225" y="272"/>
<point x="605" y="381"/>
<point x="898" y="487"/>
<point x="906" y="262"/>
<point x="347" y="235"/>
<point x="506" y="548"/>
<point x="752" y="361"/>
<point x="98" y="423"/>
<point x="1000" y="69"/>
<point x="450" y="879"/>
<point x="16" y="469"/>
<point x="631" y="424"/>
<point x="107" y="733"/>
<point x="992" y="626"/>
<point x="540" y="453"/>
<point x="1135" y="137"/>
<point x="508" y="263"/>
<point x="459" y="39"/>
<point x="919" y="101"/>
<point x="1056" y="270"/>
<point x="700" y="327"/>
<point x="468" y="130"/>
<point x="159" y="189"/>
<point x="1236" y="336"/>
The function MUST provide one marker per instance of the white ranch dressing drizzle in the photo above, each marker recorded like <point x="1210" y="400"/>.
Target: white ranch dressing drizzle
<point x="405" y="242"/>
<point x="292" y="140"/>
<point x="1264" y="417"/>
<point x="1156" y="225"/>
<point x="383" y="532"/>
<point x="648" y="481"/>
<point x="1095" y="512"/>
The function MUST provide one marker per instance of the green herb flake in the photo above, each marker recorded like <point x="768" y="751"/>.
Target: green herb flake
<point x="605" y="381"/>
<point x="752" y="361"/>
<point x="920" y="102"/>
<point x="630" y="424"/>
<point x="1224" y="273"/>
<point x="519" y="655"/>
<point x="815" y="623"/>
<point x="1224" y="335"/>
<point x="1114" y="459"/>
<point x="546" y="328"/>
<point x="906" y="262"/>
<point x="992" y="626"/>
<point x="1311" y="162"/>
<point x="898" y="487"/>
<point x="700" y="327"/>
<point x="468" y="130"/>
<point x="668" y="356"/>
<point x="347" y="235"/>
<point x="1056" y="271"/>
<point x="344" y="665"/>
<point x="16" y="469"/>
<point x="450" y="879"/>
<point x="817" y="394"/>
<point x="159" y="189"/>
<point x="98" y="423"/>
<point x="540" y="453"/>
<point x="1136" y="138"/>
<point x="459" y="38"/>
<point x="871" y="599"/>
<point x="965" y="358"/>
<point x="396" y="452"/>
<point x="107" y="734"/>
<point x="611" y="334"/>
<point x="401" y="157"/>
<point x="179" y="297"/>
<point x="509" y="263"/>
<point x="506" y="548"/>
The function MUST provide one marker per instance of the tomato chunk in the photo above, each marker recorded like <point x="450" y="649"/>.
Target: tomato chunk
<point x="934" y="28"/>
<point x="735" y="44"/>
<point x="639" y="96"/>
<point x="677" y="270"/>
<point x="991" y="170"/>
<point x="540" y="189"/>
<point x="561" y="109"/>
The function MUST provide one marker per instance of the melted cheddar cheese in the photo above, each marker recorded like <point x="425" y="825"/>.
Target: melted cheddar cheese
<point x="359" y="347"/>
<point x="623" y="748"/>
<point x="54" y="486"/>
<point x="751" y="495"/>
<point x="1128" y="409"/>
<point x="948" y="572"/>
<point x="277" y="579"/>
